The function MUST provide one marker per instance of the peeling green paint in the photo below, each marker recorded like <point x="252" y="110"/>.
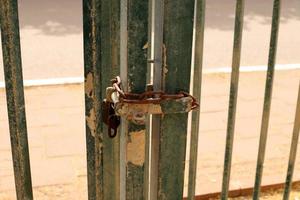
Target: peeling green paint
<point x="137" y="17"/>
<point x="92" y="75"/>
<point x="110" y="62"/>
<point x="135" y="182"/>
<point x="178" y="33"/>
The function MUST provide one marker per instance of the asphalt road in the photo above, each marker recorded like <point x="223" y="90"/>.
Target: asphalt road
<point x="52" y="46"/>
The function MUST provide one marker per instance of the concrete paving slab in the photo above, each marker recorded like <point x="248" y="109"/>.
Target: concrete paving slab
<point x="55" y="118"/>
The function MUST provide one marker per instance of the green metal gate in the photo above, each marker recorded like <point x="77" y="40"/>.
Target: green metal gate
<point x="149" y="44"/>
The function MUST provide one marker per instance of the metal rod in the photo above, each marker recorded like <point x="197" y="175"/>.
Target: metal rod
<point x="123" y="75"/>
<point x="15" y="97"/>
<point x="92" y="84"/>
<point x="149" y="87"/>
<point x="238" y="30"/>
<point x="268" y="98"/>
<point x="293" y="151"/>
<point x="157" y="85"/>
<point x="197" y="83"/>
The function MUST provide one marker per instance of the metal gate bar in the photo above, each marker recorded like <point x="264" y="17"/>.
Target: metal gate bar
<point x="177" y="40"/>
<point x="197" y="84"/>
<point x="134" y="20"/>
<point x="110" y="51"/>
<point x="237" y="44"/>
<point x="148" y="133"/>
<point x="157" y="45"/>
<point x="15" y="97"/>
<point x="293" y="151"/>
<point x="268" y="98"/>
<point x="92" y="85"/>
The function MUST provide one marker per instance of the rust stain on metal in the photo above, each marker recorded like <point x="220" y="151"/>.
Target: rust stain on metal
<point x="146" y="46"/>
<point x="131" y="109"/>
<point x="89" y="85"/>
<point x="91" y="122"/>
<point x="165" y="66"/>
<point x="136" y="148"/>
<point x="89" y="90"/>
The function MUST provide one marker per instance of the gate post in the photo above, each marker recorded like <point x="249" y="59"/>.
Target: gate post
<point x="177" y="41"/>
<point x="110" y="67"/>
<point x="133" y="63"/>
<point x="92" y="85"/>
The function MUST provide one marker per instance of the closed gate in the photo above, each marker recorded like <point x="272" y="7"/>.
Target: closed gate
<point x="149" y="44"/>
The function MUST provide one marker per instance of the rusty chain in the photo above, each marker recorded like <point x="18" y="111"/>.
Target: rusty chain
<point x="112" y="120"/>
<point x="148" y="97"/>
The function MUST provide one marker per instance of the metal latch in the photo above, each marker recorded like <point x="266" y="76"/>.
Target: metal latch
<point x="135" y="107"/>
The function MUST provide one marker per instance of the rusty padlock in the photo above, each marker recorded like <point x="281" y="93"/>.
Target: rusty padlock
<point x="110" y="118"/>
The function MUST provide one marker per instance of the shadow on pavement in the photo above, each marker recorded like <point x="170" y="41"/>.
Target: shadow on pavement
<point x="55" y="17"/>
<point x="220" y="14"/>
<point x="61" y="17"/>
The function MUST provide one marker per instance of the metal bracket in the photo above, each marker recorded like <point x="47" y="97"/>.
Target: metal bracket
<point x="137" y="113"/>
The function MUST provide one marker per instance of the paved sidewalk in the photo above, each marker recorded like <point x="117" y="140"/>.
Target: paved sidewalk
<point x="213" y="122"/>
<point x="55" y="117"/>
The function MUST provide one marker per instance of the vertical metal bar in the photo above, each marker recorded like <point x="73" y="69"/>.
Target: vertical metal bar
<point x="268" y="98"/>
<point x="137" y="38"/>
<point x="15" y="97"/>
<point x="198" y="53"/>
<point x="236" y="57"/>
<point x="158" y="44"/>
<point x="110" y="68"/>
<point x="92" y="84"/>
<point x="150" y="41"/>
<point x="293" y="151"/>
<point x="123" y="75"/>
<point x="157" y="86"/>
<point x="177" y="51"/>
<point x="148" y="120"/>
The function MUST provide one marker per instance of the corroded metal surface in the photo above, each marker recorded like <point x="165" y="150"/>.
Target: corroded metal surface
<point x="177" y="49"/>
<point x="135" y="107"/>
<point x="133" y="58"/>
<point x="15" y="97"/>
<point x="92" y="75"/>
<point x="110" y="67"/>
<point x="137" y="113"/>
